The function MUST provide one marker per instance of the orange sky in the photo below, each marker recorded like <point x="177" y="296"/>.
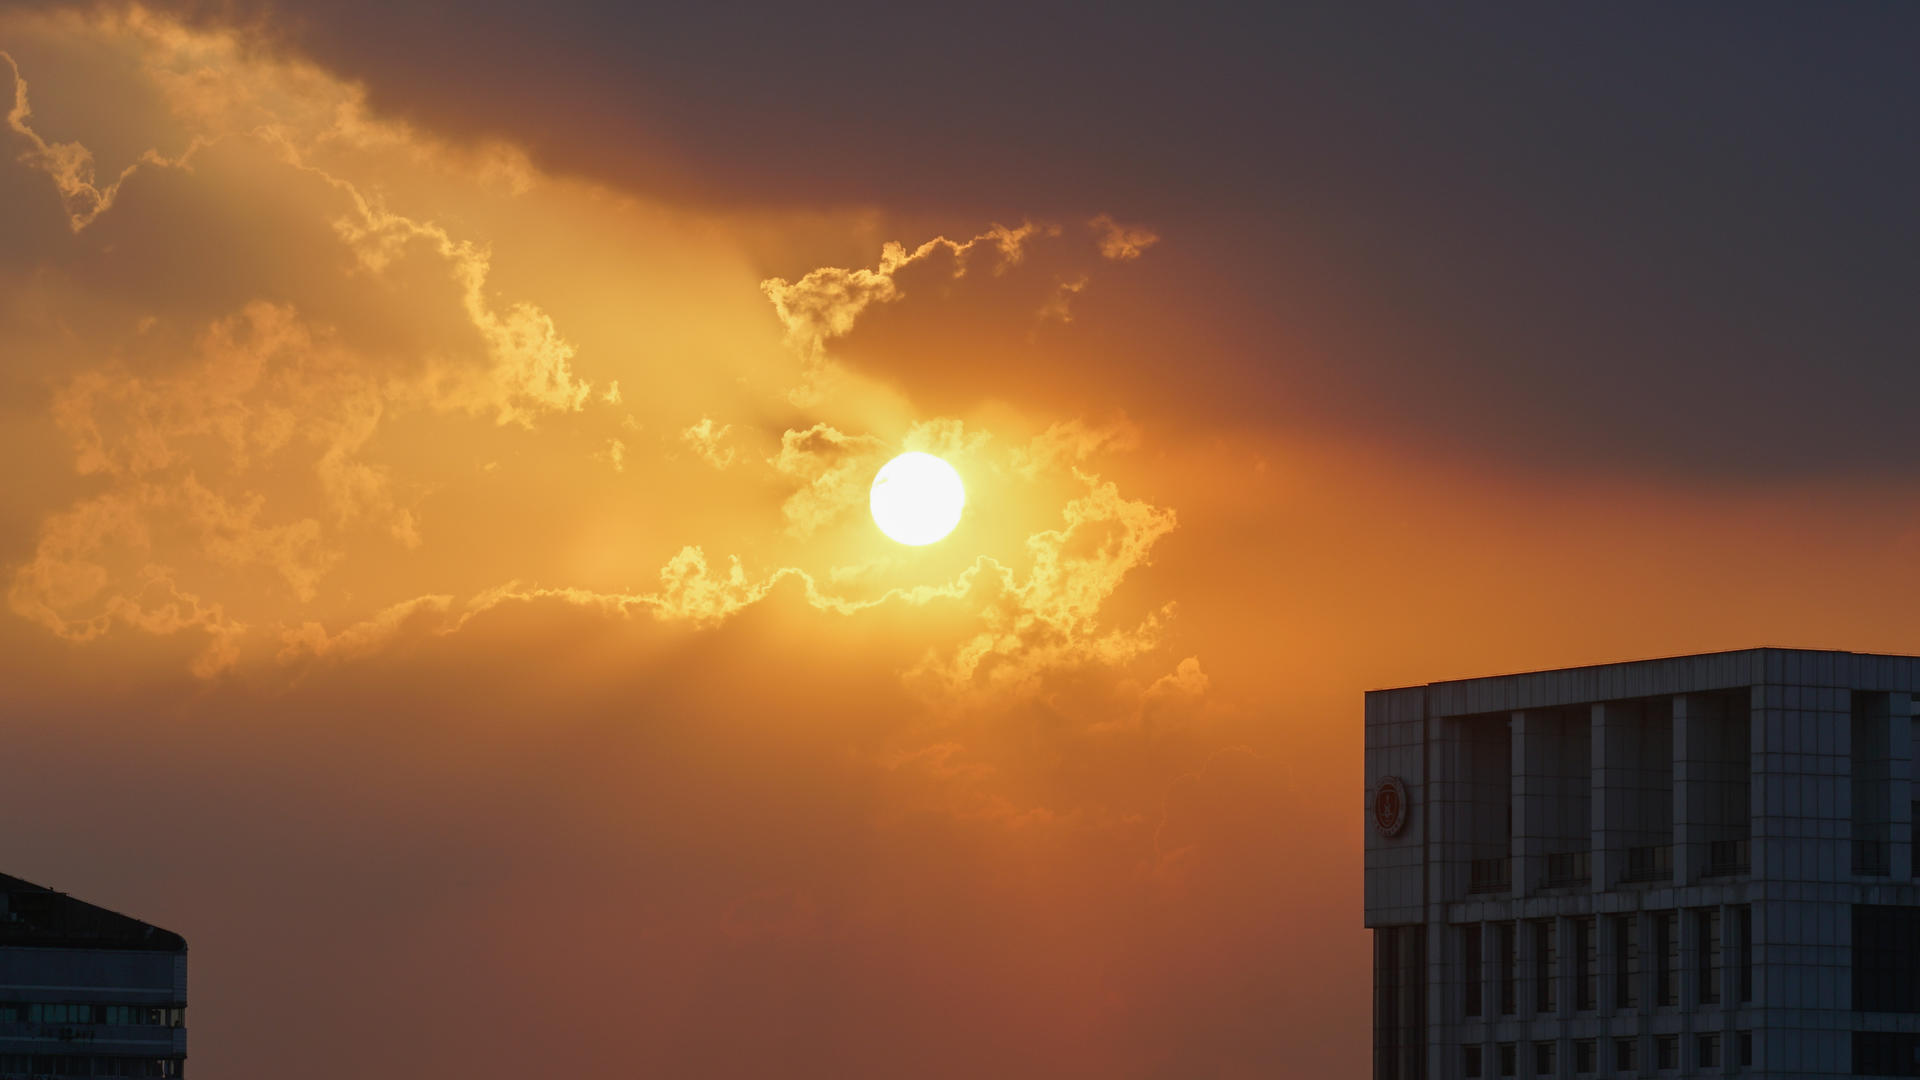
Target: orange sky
<point x="441" y="587"/>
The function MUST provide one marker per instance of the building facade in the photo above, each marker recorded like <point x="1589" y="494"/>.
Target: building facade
<point x="85" y="991"/>
<point x="1692" y="867"/>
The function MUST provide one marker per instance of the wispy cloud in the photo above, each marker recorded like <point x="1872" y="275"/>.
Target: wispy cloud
<point x="1121" y="242"/>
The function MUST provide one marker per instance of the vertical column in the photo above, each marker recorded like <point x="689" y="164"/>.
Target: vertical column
<point x="1526" y="849"/>
<point x="1610" y="795"/>
<point x="1900" y="784"/>
<point x="1386" y="1001"/>
<point x="1524" y="961"/>
<point x="1489" y="996"/>
<point x="1489" y="975"/>
<point x="1765" y="798"/>
<point x="1444" y="774"/>
<point x="1687" y="975"/>
<point x="1604" y="955"/>
<point x="1490" y="979"/>
<point x="1730" y="943"/>
<point x="1448" y="805"/>
<point x="1413" y="1012"/>
<point x="1689" y="771"/>
<point x="1766" y="745"/>
<point x="1649" y="983"/>
<point x="1567" y="994"/>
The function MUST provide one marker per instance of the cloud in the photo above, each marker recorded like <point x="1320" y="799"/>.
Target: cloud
<point x="956" y="782"/>
<point x="833" y="469"/>
<point x="366" y="637"/>
<point x="933" y="323"/>
<point x="70" y="165"/>
<point x="532" y="364"/>
<point x="705" y="438"/>
<point x="267" y="444"/>
<point x="1059" y="306"/>
<point x="191" y="450"/>
<point x="1072" y="443"/>
<point x="263" y="379"/>
<point x="92" y="571"/>
<point x="1206" y="814"/>
<point x="1026" y="621"/>
<point x="1121" y="242"/>
<point x="1051" y="619"/>
<point x="220" y="92"/>
<point x="825" y="303"/>
<point x="94" y="564"/>
<point x="1175" y="697"/>
<point x="945" y="437"/>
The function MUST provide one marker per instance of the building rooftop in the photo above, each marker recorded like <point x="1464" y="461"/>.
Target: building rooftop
<point x="36" y="916"/>
<point x="1668" y="675"/>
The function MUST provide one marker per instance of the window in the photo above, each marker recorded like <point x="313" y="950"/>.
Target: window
<point x="1586" y="976"/>
<point x="1872" y="785"/>
<point x="38" y="1065"/>
<point x="1386" y="1002"/>
<point x="1626" y="961"/>
<point x="145" y="1015"/>
<point x="1509" y="971"/>
<point x="1666" y="1052"/>
<point x="1743" y="926"/>
<point x="1707" y="923"/>
<point x="136" y="1067"/>
<point x="1545" y="966"/>
<point x="1509" y="1059"/>
<point x="1707" y="1051"/>
<point x="1666" y="958"/>
<point x="1470" y="1061"/>
<point x="59" y="1014"/>
<point x="1886" y="1053"/>
<point x="1743" y="1045"/>
<point x="1626" y="1055"/>
<point x="1543" y="1059"/>
<point x="1470" y="954"/>
<point x="1886" y="958"/>
<point x="1586" y="1055"/>
<point x="1400" y="1000"/>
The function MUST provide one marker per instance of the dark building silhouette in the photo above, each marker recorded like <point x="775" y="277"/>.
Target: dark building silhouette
<point x="1693" y="867"/>
<point x="85" y="991"/>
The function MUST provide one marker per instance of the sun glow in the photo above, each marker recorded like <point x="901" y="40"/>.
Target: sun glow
<point x="917" y="498"/>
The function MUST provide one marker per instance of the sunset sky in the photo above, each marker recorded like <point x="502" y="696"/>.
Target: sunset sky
<point x="438" y="574"/>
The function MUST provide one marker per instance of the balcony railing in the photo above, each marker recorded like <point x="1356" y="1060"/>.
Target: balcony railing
<point x="1490" y="875"/>
<point x="1870" y="857"/>
<point x="1649" y="862"/>
<point x="1727" y="858"/>
<point x="1569" y="868"/>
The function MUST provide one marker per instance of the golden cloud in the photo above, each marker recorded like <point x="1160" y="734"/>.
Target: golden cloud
<point x="70" y="165"/>
<point x="832" y="468"/>
<point x="705" y="438"/>
<point x="277" y="463"/>
<point x="1121" y="242"/>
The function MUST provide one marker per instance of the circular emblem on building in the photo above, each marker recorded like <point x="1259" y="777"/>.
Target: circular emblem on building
<point x="1390" y="806"/>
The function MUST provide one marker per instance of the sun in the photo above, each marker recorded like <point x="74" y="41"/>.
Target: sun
<point x="917" y="498"/>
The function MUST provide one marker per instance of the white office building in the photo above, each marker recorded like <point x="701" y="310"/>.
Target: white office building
<point x="1693" y="867"/>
